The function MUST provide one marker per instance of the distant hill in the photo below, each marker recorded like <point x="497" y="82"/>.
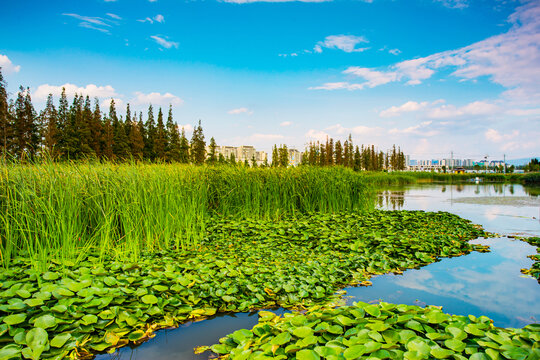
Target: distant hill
<point x="522" y="161"/>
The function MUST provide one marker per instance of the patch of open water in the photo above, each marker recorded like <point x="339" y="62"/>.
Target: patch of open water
<point x="479" y="283"/>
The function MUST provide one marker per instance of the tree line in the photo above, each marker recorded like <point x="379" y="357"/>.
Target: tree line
<point x="366" y="157"/>
<point x="82" y="131"/>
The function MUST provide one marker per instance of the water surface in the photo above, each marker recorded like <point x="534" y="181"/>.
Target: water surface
<point x="479" y="283"/>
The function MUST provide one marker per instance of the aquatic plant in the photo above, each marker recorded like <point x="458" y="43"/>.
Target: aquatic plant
<point x="534" y="271"/>
<point x="378" y="331"/>
<point x="297" y="261"/>
<point x="62" y="212"/>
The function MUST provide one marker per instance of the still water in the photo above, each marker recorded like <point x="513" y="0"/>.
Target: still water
<point x="479" y="283"/>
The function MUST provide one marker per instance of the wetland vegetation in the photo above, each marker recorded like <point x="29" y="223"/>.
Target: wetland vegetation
<point x="99" y="256"/>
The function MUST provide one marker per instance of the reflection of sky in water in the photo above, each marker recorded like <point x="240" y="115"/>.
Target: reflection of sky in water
<point x="479" y="283"/>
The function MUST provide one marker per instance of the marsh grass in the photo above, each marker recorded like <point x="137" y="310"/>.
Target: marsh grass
<point x="63" y="212"/>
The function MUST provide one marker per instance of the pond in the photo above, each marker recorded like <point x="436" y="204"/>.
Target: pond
<point x="479" y="283"/>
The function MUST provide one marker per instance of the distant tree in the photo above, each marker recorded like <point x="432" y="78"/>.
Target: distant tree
<point x="63" y="121"/>
<point x="5" y="118"/>
<point x="212" y="153"/>
<point x="253" y="162"/>
<point x="25" y="125"/>
<point x="108" y="135"/>
<point x="221" y="159"/>
<point x="357" y="160"/>
<point x="150" y="132"/>
<point x="49" y="125"/>
<point x="283" y="156"/>
<point x="120" y="144"/>
<point x="275" y="156"/>
<point x="84" y="129"/>
<point x="322" y="155"/>
<point x="198" y="145"/>
<point x="232" y="159"/>
<point x="339" y="153"/>
<point x="136" y="137"/>
<point x="330" y="152"/>
<point x="184" y="148"/>
<point x="160" y="143"/>
<point x="173" y="140"/>
<point x="96" y="129"/>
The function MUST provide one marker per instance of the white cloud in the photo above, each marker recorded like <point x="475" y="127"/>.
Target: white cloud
<point x="316" y="135"/>
<point x="92" y="22"/>
<point x="346" y="43"/>
<point x="337" y="86"/>
<point x="454" y="4"/>
<point x="164" y="43"/>
<point x="286" y="123"/>
<point x="475" y="108"/>
<point x="114" y="16"/>
<point x="373" y="78"/>
<point x="406" y="107"/>
<point x="91" y="90"/>
<point x="118" y="105"/>
<point x="524" y="112"/>
<point x="394" y="51"/>
<point x="495" y="136"/>
<point x="188" y="128"/>
<point x="158" y="18"/>
<point x="156" y="98"/>
<point x="419" y="129"/>
<point x="7" y="66"/>
<point x="270" y="1"/>
<point x="239" y="111"/>
<point x="510" y="59"/>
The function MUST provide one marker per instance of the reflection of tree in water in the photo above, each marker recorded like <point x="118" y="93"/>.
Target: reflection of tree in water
<point x="459" y="188"/>
<point x="511" y="189"/>
<point x="532" y="190"/>
<point x="443" y="189"/>
<point x="391" y="199"/>
<point x="498" y="188"/>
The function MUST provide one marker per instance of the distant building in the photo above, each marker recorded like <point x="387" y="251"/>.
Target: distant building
<point x="241" y="153"/>
<point x="295" y="157"/>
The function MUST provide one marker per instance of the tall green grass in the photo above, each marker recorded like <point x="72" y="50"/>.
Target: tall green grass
<point x="64" y="212"/>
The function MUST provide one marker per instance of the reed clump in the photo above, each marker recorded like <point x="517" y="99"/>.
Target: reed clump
<point x="61" y="213"/>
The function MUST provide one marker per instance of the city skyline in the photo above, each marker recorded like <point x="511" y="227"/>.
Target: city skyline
<point x="432" y="76"/>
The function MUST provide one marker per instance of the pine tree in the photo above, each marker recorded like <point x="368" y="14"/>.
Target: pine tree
<point x="160" y="143"/>
<point x="108" y="135"/>
<point x="173" y="141"/>
<point x="339" y="153"/>
<point x="70" y="134"/>
<point x="184" y="148"/>
<point x="136" y="138"/>
<point x="120" y="144"/>
<point x="49" y="121"/>
<point x="149" y="140"/>
<point x="253" y="161"/>
<point x="357" y="160"/>
<point x="275" y="156"/>
<point x="322" y="155"/>
<point x="283" y="156"/>
<point x="96" y="129"/>
<point x="5" y="118"/>
<point x="232" y="159"/>
<point x="26" y="129"/>
<point x="329" y="152"/>
<point x="84" y="128"/>
<point x="198" y="145"/>
<point x="63" y="120"/>
<point x="212" y="154"/>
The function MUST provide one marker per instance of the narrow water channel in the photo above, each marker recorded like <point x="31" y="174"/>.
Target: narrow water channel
<point x="479" y="283"/>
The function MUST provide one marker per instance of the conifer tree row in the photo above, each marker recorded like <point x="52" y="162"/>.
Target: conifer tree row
<point x="83" y="131"/>
<point x="358" y="158"/>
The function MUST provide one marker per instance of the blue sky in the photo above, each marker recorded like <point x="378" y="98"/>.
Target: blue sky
<point x="432" y="76"/>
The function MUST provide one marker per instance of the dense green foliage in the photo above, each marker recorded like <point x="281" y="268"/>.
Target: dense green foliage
<point x="378" y="331"/>
<point x="532" y="178"/>
<point x="535" y="267"/>
<point x="240" y="264"/>
<point x="368" y="158"/>
<point x="82" y="131"/>
<point x="64" y="211"/>
<point x="404" y="177"/>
